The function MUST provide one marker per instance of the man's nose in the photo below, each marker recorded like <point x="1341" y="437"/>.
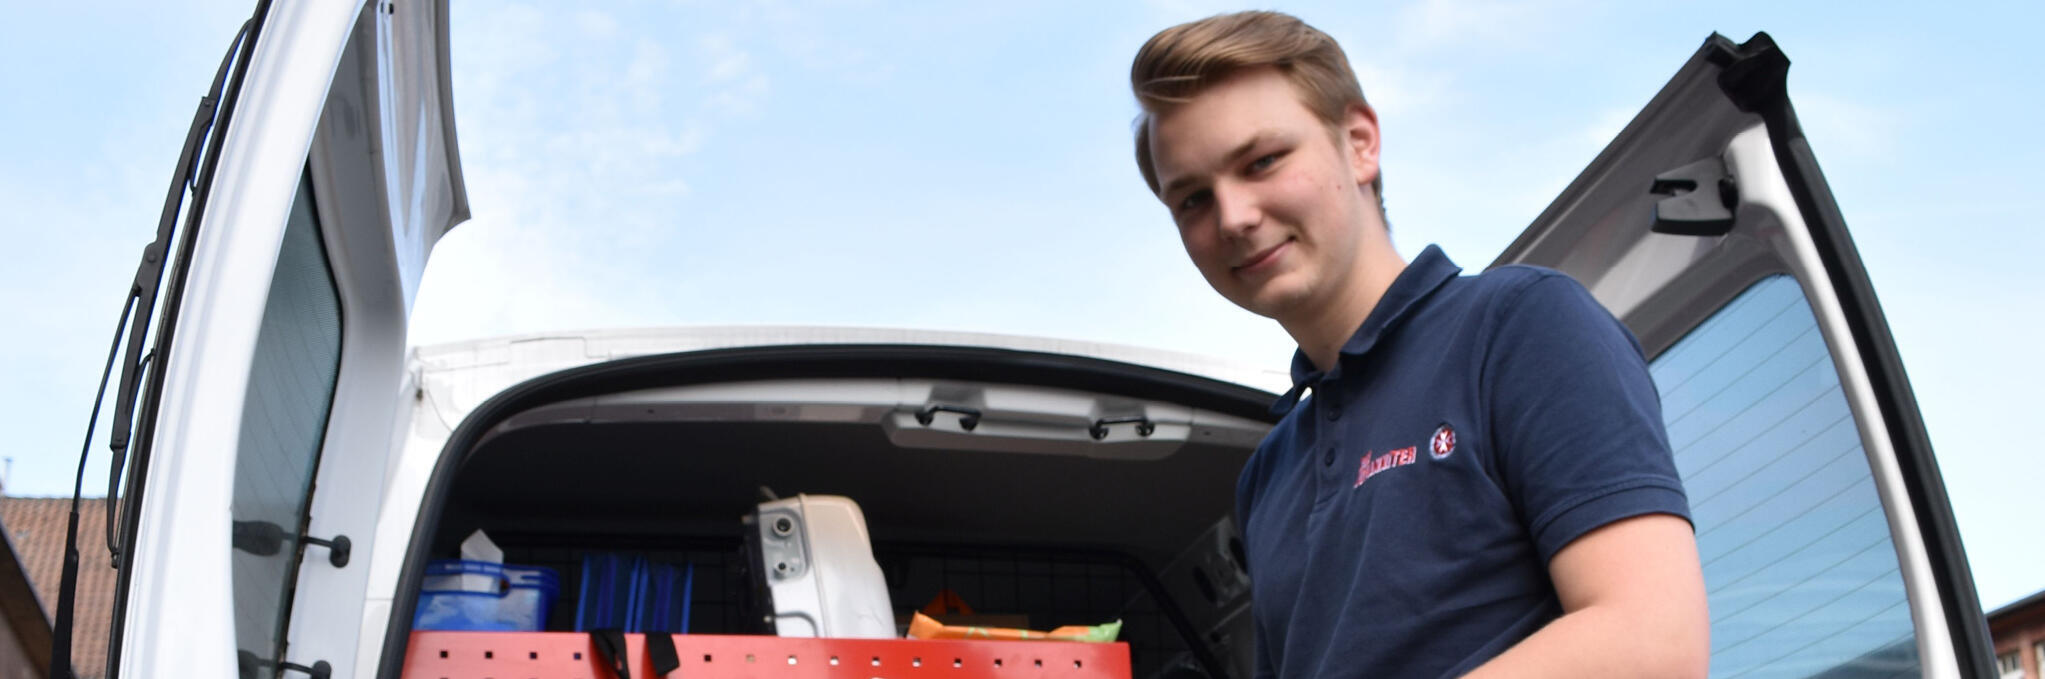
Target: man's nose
<point x="1237" y="209"/>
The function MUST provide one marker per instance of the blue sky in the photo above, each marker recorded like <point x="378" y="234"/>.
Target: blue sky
<point x="967" y="167"/>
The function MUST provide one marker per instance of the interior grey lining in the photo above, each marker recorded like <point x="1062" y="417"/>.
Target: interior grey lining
<point x="698" y="478"/>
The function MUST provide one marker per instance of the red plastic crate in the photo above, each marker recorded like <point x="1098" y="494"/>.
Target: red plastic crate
<point x="571" y="655"/>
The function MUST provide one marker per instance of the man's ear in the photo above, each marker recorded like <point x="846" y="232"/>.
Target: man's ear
<point x="1359" y="132"/>
<point x="1146" y="165"/>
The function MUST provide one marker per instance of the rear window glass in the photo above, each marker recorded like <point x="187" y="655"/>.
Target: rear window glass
<point x="1801" y="573"/>
<point x="283" y="422"/>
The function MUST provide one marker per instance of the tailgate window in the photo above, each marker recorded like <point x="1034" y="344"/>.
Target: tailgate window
<point x="1802" y="576"/>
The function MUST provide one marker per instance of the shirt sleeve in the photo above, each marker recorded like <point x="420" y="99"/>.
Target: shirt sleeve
<point x="1575" y="419"/>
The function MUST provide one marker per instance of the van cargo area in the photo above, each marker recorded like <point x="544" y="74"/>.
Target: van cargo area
<point x="1042" y="506"/>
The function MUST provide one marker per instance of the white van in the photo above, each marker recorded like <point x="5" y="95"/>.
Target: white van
<point x="294" y="466"/>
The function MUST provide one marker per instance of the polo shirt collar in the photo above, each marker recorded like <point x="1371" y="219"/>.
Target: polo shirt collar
<point x="1427" y="273"/>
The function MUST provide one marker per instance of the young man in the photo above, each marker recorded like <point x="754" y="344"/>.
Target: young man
<point x="1480" y="483"/>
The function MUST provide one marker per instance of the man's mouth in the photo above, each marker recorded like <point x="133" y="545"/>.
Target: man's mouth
<point x="1262" y="259"/>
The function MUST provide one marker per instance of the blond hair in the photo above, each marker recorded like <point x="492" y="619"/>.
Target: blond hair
<point x="1180" y="62"/>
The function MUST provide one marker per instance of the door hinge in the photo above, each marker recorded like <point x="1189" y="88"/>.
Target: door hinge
<point x="969" y="418"/>
<point x="1099" y="430"/>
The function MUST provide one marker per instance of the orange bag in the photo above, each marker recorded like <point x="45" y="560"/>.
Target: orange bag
<point x="926" y="627"/>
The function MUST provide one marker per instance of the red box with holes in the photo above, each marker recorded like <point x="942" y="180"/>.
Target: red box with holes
<point x="571" y="655"/>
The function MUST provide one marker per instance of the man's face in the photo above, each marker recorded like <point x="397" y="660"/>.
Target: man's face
<point x="1268" y="200"/>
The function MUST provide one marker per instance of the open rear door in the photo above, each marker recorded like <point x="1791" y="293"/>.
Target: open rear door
<point x="1828" y="544"/>
<point x="276" y="375"/>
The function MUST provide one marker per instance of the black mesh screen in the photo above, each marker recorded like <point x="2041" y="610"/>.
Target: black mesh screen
<point x="1046" y="587"/>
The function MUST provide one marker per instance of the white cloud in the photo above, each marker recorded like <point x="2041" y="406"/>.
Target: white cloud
<point x="576" y="165"/>
<point x="1395" y="91"/>
<point x="726" y="60"/>
<point x="740" y="98"/>
<point x="1442" y="24"/>
<point x="1842" y="127"/>
<point x="737" y="85"/>
<point x="648" y="69"/>
<point x="596" y="24"/>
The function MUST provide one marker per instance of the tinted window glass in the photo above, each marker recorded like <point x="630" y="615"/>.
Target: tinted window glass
<point x="291" y="385"/>
<point x="1802" y="576"/>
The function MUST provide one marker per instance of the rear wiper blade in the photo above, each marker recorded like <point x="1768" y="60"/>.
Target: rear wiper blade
<point x="149" y="280"/>
<point x="136" y="313"/>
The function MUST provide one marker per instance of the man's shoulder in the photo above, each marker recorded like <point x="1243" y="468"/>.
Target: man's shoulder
<point x="1485" y="298"/>
<point x="1511" y="280"/>
<point x="1521" y="304"/>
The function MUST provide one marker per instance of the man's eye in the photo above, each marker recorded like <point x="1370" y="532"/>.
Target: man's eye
<point x="1263" y="163"/>
<point x="1193" y="201"/>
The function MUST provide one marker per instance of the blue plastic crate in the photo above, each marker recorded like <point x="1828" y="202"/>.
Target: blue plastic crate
<point x="521" y="602"/>
<point x="661" y="597"/>
<point x="635" y="594"/>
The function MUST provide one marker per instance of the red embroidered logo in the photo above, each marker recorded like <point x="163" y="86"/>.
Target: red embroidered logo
<point x="1443" y="443"/>
<point x="1373" y="466"/>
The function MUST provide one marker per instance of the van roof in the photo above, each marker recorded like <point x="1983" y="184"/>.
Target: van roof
<point x="571" y="348"/>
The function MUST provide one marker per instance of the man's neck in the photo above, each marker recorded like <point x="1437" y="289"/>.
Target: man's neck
<point x="1322" y="331"/>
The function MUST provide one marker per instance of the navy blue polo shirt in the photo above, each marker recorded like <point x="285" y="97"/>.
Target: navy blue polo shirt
<point x="1399" y="522"/>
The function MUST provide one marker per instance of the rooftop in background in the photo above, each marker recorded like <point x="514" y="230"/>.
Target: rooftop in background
<point x="2019" y="632"/>
<point x="2021" y="609"/>
<point x="35" y="528"/>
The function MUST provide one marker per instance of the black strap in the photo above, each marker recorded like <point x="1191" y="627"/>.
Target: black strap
<point x="610" y="645"/>
<point x="660" y="650"/>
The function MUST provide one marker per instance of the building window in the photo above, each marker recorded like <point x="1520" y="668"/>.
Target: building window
<point x="2009" y="666"/>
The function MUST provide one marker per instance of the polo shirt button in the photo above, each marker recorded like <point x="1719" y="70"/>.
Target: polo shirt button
<point x="1328" y="458"/>
<point x="1334" y="413"/>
